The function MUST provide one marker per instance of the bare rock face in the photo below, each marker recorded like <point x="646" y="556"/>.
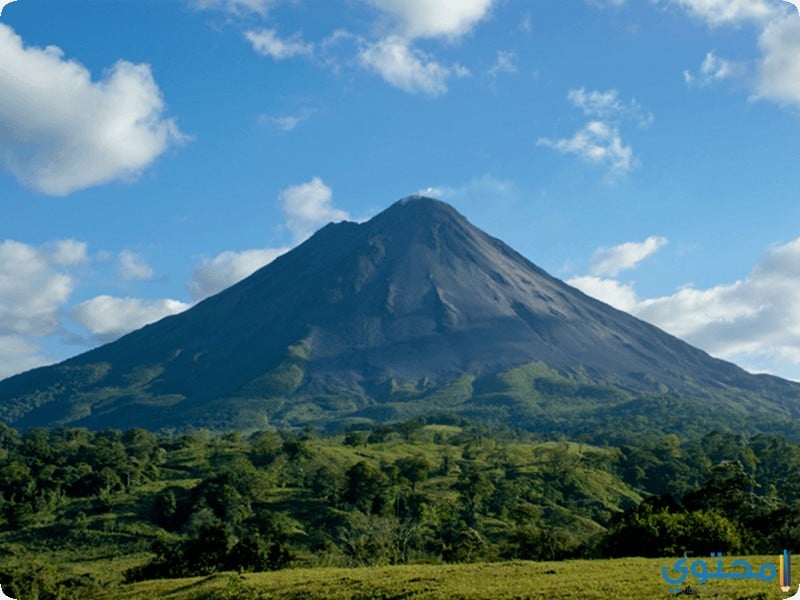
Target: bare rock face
<point x="374" y="321"/>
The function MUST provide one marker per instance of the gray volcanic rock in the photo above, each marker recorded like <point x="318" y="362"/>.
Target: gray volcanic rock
<point x="367" y="321"/>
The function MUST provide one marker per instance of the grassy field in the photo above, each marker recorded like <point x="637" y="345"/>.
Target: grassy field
<point x="633" y="578"/>
<point x="341" y="507"/>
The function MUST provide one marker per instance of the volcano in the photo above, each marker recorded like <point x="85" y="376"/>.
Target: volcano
<point x="413" y="313"/>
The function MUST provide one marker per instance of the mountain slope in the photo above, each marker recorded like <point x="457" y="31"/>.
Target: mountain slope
<point x="413" y="311"/>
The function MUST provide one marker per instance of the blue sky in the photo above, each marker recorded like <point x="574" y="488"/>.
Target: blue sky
<point x="153" y="152"/>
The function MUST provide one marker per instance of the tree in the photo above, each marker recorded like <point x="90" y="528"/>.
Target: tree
<point x="474" y="486"/>
<point x="413" y="469"/>
<point x="366" y="488"/>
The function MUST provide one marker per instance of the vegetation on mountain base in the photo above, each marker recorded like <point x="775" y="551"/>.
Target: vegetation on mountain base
<point x="81" y="512"/>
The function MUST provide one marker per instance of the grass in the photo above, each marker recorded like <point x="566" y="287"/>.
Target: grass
<point x="632" y="578"/>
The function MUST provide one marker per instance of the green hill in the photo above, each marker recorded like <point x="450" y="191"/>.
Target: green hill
<point x="128" y="513"/>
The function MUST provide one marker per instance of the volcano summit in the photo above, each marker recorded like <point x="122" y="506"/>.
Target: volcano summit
<point x="414" y="313"/>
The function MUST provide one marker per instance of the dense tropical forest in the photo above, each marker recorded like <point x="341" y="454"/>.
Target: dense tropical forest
<point x="83" y="511"/>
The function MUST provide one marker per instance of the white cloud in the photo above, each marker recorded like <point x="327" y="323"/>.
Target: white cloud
<point x="607" y="106"/>
<point x="612" y="261"/>
<point x="61" y="132"/>
<point x="108" y="317"/>
<point x="600" y="140"/>
<point x="504" y="63"/>
<point x="284" y="122"/>
<point x="754" y="321"/>
<point x="267" y="43"/>
<point x="423" y="18"/>
<point x="595" y="103"/>
<point x="227" y="268"/>
<point x="17" y="354"/>
<point x="308" y="206"/>
<point x="596" y="142"/>
<point x="32" y="287"/>
<point x="3" y="4"/>
<point x="132" y="266"/>
<point x="610" y="291"/>
<point x="713" y="69"/>
<point x="719" y="12"/>
<point x="394" y="58"/>
<point x="259" y="7"/>
<point x="393" y="55"/>
<point x="689" y="310"/>
<point x="35" y="284"/>
<point x="430" y="192"/>
<point x="779" y="73"/>
<point x="405" y="67"/>
<point x="68" y="252"/>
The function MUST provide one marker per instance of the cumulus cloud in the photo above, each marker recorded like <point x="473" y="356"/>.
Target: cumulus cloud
<point x="778" y="23"/>
<point x="18" y="354"/>
<point x="227" y="268"/>
<point x="423" y="18"/>
<point x="596" y="142"/>
<point x="308" y="206"/>
<point x="712" y="69"/>
<point x="34" y="285"/>
<point x="405" y="67"/>
<point x="612" y="261"/>
<point x="267" y="42"/>
<point x="779" y="72"/>
<point x="108" y="317"/>
<point x="719" y="12"/>
<point x="400" y="63"/>
<point x="393" y="55"/>
<point x="607" y="106"/>
<point x="617" y="294"/>
<point x="754" y="321"/>
<point x="596" y="103"/>
<point x="132" y="266"/>
<point x="600" y="140"/>
<point x="68" y="252"/>
<point x="61" y="132"/>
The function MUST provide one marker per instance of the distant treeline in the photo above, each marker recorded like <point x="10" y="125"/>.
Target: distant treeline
<point x="410" y="492"/>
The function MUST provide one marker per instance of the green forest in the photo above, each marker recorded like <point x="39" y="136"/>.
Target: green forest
<point x="82" y="512"/>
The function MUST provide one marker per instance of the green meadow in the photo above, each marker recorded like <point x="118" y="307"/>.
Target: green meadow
<point x="631" y="578"/>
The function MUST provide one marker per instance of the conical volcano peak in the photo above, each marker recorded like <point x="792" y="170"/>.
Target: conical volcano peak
<point x="418" y="216"/>
<point x="418" y="199"/>
<point x="422" y="207"/>
<point x="416" y="311"/>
